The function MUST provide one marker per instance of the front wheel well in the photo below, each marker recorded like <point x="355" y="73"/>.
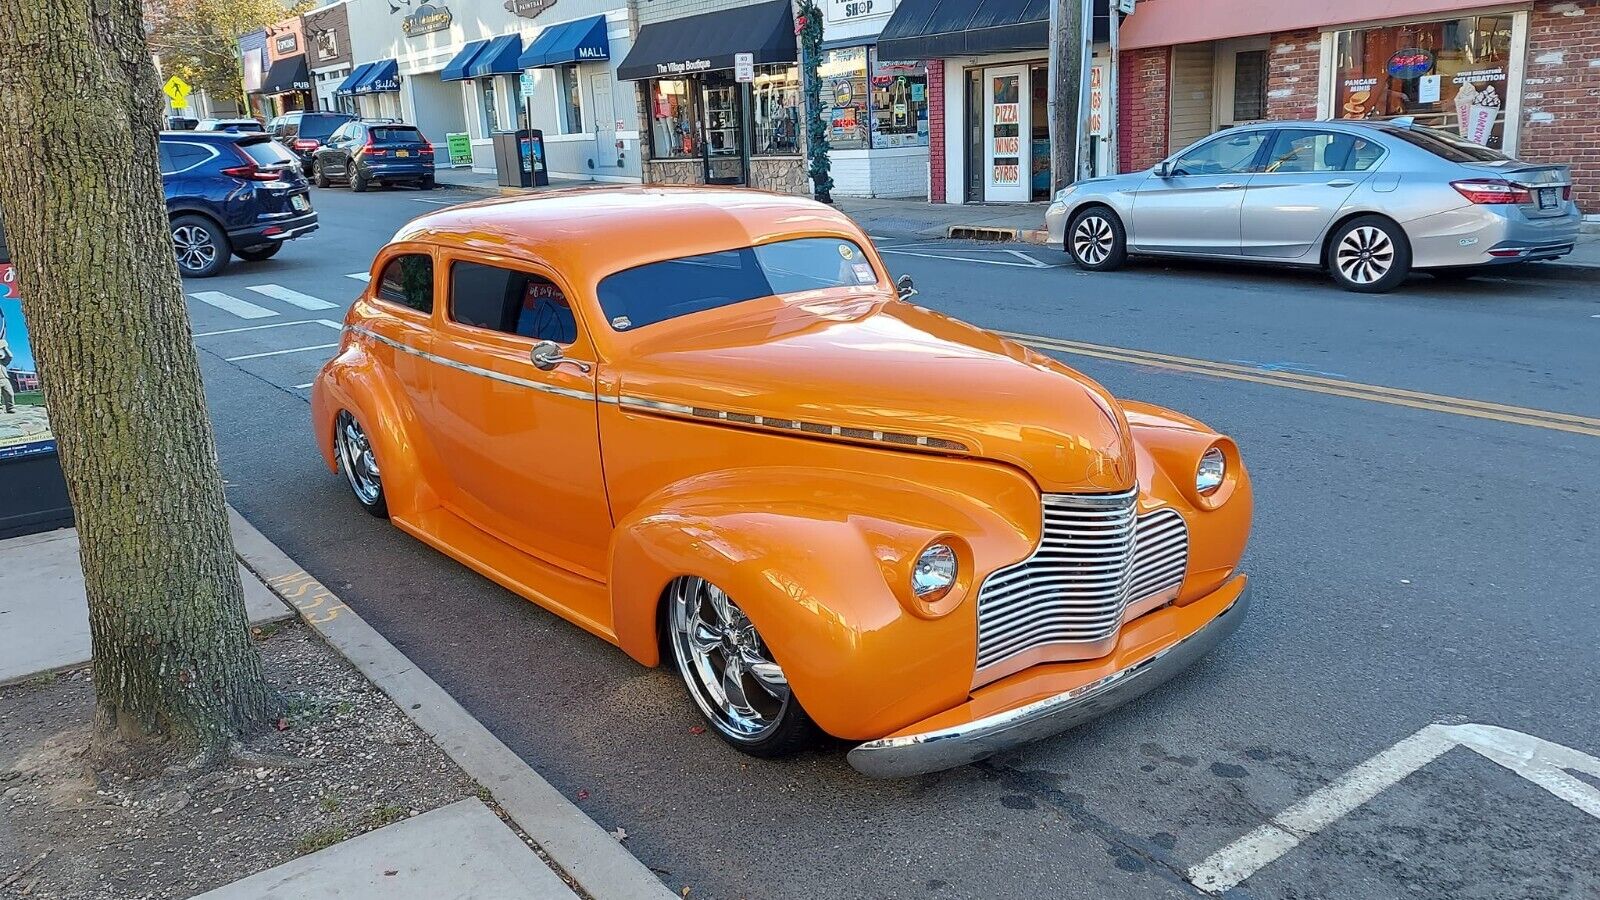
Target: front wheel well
<point x="1327" y="237"/>
<point x="1066" y="228"/>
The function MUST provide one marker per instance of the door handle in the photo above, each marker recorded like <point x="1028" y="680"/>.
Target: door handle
<point x="1229" y="186"/>
<point x="1341" y="182"/>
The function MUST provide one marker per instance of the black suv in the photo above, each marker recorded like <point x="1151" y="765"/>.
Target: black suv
<point x="366" y="153"/>
<point x="231" y="193"/>
<point x="303" y="131"/>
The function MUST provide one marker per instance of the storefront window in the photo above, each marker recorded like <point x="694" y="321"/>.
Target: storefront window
<point x="1249" y="85"/>
<point x="775" y="99"/>
<point x="1451" y="75"/>
<point x="569" y="99"/>
<point x="672" y="119"/>
<point x="491" y="115"/>
<point x="844" y="97"/>
<point x="899" y="103"/>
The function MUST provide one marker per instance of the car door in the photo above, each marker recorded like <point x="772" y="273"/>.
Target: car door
<point x="1194" y="207"/>
<point x="1305" y="179"/>
<point x="521" y="442"/>
<point x="335" y="155"/>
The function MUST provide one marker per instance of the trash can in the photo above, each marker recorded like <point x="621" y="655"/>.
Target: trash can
<point x="519" y="159"/>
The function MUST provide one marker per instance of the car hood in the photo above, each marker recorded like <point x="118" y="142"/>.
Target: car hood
<point x="886" y="373"/>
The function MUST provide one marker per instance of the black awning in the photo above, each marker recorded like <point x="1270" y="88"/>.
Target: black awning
<point x="706" y="42"/>
<point x="287" y="74"/>
<point x="932" y="29"/>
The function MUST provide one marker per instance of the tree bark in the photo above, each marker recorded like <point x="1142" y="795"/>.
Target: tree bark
<point x="80" y="190"/>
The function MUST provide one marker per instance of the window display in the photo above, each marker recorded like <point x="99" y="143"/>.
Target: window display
<point x="1451" y="75"/>
<point x="775" y="100"/>
<point x="844" y="97"/>
<point x="899" y="103"/>
<point x="673" y="132"/>
<point x="569" y="97"/>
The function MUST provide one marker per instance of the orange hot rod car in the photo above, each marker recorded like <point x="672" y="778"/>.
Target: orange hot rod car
<point x="702" y="425"/>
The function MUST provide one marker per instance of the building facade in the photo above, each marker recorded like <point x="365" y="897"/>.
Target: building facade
<point x="1522" y="77"/>
<point x="876" y="107"/>
<point x="287" y="84"/>
<point x="327" y="36"/>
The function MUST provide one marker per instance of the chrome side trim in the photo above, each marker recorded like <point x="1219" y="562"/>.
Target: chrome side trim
<point x="932" y="751"/>
<point x="474" y="370"/>
<point x="778" y="423"/>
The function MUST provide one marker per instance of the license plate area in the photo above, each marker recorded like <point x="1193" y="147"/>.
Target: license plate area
<point x="299" y="203"/>
<point x="1549" y="198"/>
<point x="403" y="153"/>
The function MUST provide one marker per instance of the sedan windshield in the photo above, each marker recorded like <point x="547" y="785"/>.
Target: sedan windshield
<point x="658" y="291"/>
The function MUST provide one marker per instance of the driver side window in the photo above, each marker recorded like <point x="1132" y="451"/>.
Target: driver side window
<point x="1225" y="154"/>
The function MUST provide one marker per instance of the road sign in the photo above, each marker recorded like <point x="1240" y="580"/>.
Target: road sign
<point x="178" y="90"/>
<point x="744" y="67"/>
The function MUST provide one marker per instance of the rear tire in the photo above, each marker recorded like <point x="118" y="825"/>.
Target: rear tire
<point x="257" y="254"/>
<point x="358" y="181"/>
<point x="200" y="246"/>
<point x="1096" y="240"/>
<point x="1369" y="255"/>
<point x="427" y="184"/>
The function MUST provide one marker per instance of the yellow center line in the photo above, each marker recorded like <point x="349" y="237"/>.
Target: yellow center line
<point x="1478" y="409"/>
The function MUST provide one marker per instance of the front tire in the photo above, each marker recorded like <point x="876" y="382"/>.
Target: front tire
<point x="1096" y="240"/>
<point x="1369" y="255"/>
<point x="730" y="673"/>
<point x="360" y="464"/>
<point x="321" y="176"/>
<point x="200" y="245"/>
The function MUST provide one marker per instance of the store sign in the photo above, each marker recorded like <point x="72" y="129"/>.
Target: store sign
<point x="1097" y="100"/>
<point x="387" y="84"/>
<point x="679" y="68"/>
<point x="1410" y="63"/>
<point x="286" y="44"/>
<point x="1006" y="174"/>
<point x="528" y="9"/>
<point x="426" y="19"/>
<point x="854" y="10"/>
<point x="744" y="67"/>
<point x="24" y="427"/>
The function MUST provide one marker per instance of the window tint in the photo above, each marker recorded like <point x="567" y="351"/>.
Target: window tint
<point x="396" y="133"/>
<point x="408" y="280"/>
<point x="182" y="156"/>
<point x="167" y="168"/>
<point x="319" y="127"/>
<point x="1300" y="150"/>
<point x="1447" y="146"/>
<point x="1230" y="154"/>
<point x="512" y="302"/>
<point x="267" y="153"/>
<point x="659" y="291"/>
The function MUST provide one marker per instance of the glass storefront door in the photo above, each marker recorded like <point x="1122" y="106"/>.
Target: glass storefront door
<point x="1006" y="142"/>
<point x="722" y="106"/>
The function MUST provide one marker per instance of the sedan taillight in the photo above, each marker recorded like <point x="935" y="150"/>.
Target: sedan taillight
<point x="1491" y="191"/>
<point x="1566" y="192"/>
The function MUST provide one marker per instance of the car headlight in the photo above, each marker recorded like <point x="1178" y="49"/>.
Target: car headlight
<point x="1213" y="467"/>
<point x="1062" y="194"/>
<point x="934" y="573"/>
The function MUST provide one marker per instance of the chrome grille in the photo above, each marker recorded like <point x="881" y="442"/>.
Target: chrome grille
<point x="1094" y="557"/>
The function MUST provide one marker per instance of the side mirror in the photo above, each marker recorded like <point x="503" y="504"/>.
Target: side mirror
<point x="905" y="287"/>
<point x="1163" y="169"/>
<point x="546" y="355"/>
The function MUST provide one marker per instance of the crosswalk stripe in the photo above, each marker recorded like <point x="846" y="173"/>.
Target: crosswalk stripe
<point x="281" y="352"/>
<point x="360" y="276"/>
<point x="304" y="301"/>
<point x="244" y="309"/>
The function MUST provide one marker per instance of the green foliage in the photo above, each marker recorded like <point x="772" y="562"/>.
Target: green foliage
<point x="321" y="839"/>
<point x="809" y="22"/>
<point x="198" y="40"/>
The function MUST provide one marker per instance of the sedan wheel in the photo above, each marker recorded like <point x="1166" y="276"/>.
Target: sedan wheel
<point x="730" y="672"/>
<point x="359" y="463"/>
<point x="1096" y="241"/>
<point x="1370" y="255"/>
<point x="200" y="247"/>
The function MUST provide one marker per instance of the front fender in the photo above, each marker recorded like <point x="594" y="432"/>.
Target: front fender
<point x="820" y="562"/>
<point x="356" y="381"/>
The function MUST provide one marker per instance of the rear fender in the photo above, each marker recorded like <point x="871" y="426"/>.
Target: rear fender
<point x="356" y="381"/>
<point x="820" y="561"/>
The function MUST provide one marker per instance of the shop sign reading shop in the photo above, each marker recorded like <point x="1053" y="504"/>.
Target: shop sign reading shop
<point x="851" y="10"/>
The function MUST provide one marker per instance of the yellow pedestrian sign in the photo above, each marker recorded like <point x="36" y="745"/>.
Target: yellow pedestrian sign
<point x="177" y="89"/>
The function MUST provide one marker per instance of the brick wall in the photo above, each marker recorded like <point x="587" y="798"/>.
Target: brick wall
<point x="936" y="130"/>
<point x="1293" y="67"/>
<point x="1142" y="88"/>
<point x="1561" y="93"/>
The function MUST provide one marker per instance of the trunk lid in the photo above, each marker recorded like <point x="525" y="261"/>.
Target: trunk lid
<point x="1549" y="187"/>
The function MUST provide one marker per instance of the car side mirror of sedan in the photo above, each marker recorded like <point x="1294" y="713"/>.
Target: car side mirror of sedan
<point x="905" y="287"/>
<point x="546" y="355"/>
<point x="1163" y="169"/>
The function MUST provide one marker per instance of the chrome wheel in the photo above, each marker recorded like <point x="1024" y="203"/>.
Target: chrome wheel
<point x="1365" y="255"/>
<point x="197" y="250"/>
<point x="355" y="457"/>
<point x="1092" y="240"/>
<point x="727" y="666"/>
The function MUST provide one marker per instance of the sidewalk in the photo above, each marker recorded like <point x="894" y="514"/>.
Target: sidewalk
<point x="460" y="850"/>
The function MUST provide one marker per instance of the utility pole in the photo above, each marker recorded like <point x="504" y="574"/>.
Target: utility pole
<point x="1066" y="87"/>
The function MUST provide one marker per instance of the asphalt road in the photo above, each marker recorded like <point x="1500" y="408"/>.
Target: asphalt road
<point x="1415" y="561"/>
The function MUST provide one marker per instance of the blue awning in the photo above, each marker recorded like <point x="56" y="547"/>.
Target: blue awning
<point x="384" y="77"/>
<point x="348" y="86"/>
<point x="457" y="67"/>
<point x="499" y="58"/>
<point x="569" y="42"/>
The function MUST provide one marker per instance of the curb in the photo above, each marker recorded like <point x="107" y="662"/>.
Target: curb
<point x="594" y="859"/>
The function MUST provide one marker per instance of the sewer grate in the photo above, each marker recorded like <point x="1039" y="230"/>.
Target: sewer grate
<point x="982" y="233"/>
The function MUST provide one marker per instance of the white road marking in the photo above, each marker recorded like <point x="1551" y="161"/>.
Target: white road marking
<point x="244" y="309"/>
<point x="281" y="352"/>
<point x="434" y="202"/>
<point x="1539" y="761"/>
<point x="1030" y="260"/>
<point x="323" y="322"/>
<point x="360" y="276"/>
<point x="301" y="387"/>
<point x="304" y="301"/>
<point x="1032" y="264"/>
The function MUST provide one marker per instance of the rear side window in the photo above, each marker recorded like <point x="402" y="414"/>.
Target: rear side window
<point x="396" y="134"/>
<point x="408" y="280"/>
<point x="1447" y="146"/>
<point x="511" y="302"/>
<point x="267" y="153"/>
<point x="180" y="157"/>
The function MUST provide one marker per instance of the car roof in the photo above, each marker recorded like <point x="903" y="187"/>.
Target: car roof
<point x="588" y="233"/>
<point x="228" y="137"/>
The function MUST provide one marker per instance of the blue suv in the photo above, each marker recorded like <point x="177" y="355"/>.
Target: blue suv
<point x="231" y="193"/>
<point x="375" y="152"/>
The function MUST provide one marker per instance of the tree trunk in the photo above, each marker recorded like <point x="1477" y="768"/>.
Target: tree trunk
<point x="81" y="195"/>
<point x="1064" y="73"/>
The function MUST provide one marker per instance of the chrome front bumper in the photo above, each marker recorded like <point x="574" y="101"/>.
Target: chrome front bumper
<point x="914" y="754"/>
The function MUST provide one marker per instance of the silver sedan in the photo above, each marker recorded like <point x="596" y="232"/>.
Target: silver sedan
<point x="1366" y="201"/>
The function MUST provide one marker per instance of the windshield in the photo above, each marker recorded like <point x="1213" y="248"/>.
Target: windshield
<point x="1447" y="146"/>
<point x="665" y="290"/>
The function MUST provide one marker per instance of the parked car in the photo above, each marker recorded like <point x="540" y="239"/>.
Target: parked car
<point x="702" y="425"/>
<point x="362" y="154"/>
<point x="1367" y="201"/>
<point x="303" y="131"/>
<point x="181" y="123"/>
<point x="230" y="192"/>
<point x="229" y="125"/>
